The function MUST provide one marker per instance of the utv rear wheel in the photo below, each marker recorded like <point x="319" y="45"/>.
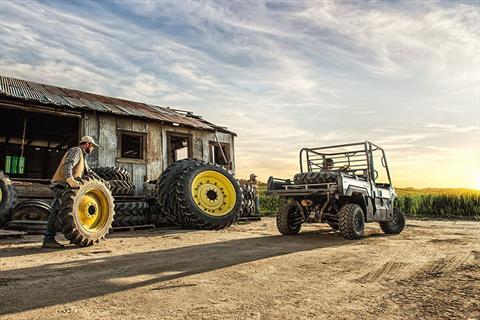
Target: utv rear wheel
<point x="289" y="219"/>
<point x="351" y="222"/>
<point x="396" y="225"/>
<point x="85" y="214"/>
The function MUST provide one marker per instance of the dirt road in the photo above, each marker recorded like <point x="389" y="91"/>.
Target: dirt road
<point x="431" y="270"/>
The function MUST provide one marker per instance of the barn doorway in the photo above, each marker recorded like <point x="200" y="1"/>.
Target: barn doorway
<point x="32" y="144"/>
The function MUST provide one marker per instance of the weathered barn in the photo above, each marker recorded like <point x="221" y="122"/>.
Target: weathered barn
<point x="39" y="122"/>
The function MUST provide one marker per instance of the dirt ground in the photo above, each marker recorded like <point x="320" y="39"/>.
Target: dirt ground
<point x="430" y="271"/>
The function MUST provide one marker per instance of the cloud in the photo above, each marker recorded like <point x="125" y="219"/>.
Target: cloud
<point x="281" y="75"/>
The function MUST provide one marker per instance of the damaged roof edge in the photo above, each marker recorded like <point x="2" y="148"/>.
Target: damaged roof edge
<point x="37" y="94"/>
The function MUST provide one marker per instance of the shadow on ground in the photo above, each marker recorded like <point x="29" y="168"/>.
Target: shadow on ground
<point x="58" y="283"/>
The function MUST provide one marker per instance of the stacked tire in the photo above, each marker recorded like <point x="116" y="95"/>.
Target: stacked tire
<point x="132" y="213"/>
<point x="117" y="179"/>
<point x="7" y="198"/>
<point x="249" y="204"/>
<point x="198" y="195"/>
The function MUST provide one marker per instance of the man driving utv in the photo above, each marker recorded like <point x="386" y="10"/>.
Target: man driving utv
<point x="73" y="166"/>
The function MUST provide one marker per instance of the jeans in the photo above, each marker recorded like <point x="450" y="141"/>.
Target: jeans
<point x="51" y="223"/>
<point x="257" y="205"/>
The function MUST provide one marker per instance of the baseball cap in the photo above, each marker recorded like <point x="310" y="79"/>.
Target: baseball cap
<point x="89" y="139"/>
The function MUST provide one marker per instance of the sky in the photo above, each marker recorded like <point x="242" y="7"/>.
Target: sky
<point x="282" y="75"/>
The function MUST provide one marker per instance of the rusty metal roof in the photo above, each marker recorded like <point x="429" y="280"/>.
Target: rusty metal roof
<point x="38" y="93"/>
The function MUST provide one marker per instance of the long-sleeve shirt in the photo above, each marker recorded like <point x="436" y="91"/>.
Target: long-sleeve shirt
<point x="72" y="159"/>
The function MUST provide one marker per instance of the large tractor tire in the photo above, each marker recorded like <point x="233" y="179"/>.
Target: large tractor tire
<point x="290" y="219"/>
<point x="130" y="213"/>
<point x="31" y="210"/>
<point x="85" y="215"/>
<point x="166" y="189"/>
<point x="208" y="196"/>
<point x="113" y="173"/>
<point x="7" y="198"/>
<point x="396" y="225"/>
<point x="351" y="221"/>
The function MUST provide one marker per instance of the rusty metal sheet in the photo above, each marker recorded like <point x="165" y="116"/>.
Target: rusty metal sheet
<point x="75" y="99"/>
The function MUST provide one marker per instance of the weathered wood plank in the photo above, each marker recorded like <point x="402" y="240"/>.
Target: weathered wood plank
<point x="108" y="141"/>
<point x="154" y="151"/>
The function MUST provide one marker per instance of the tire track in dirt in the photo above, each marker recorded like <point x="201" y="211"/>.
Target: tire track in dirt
<point x="387" y="271"/>
<point x="447" y="288"/>
<point x="446" y="264"/>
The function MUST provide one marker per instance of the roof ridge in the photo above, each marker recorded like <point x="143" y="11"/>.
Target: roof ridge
<point x="46" y="94"/>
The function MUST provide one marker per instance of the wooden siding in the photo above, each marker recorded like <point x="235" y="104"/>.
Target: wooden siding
<point x="104" y="129"/>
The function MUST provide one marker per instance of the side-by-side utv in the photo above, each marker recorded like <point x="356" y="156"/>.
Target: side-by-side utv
<point x="344" y="186"/>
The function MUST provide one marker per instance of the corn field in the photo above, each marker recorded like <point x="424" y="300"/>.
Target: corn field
<point x="415" y="202"/>
<point x="440" y="203"/>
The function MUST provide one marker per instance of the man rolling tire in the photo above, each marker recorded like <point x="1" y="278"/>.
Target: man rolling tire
<point x="73" y="166"/>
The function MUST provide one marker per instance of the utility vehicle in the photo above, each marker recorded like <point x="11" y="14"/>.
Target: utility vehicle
<point x="344" y="186"/>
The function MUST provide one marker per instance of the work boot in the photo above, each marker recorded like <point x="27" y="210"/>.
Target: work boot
<point x="52" y="244"/>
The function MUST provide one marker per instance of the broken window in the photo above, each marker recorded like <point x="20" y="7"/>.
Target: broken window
<point x="132" y="145"/>
<point x="179" y="146"/>
<point x="220" y="154"/>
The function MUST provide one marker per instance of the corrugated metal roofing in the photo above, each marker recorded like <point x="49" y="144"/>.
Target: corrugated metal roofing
<point x="50" y="95"/>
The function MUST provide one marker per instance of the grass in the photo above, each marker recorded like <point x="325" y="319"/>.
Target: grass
<point x="431" y="202"/>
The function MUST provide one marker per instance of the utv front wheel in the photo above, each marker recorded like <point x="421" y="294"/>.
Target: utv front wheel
<point x="396" y="225"/>
<point x="289" y="219"/>
<point x="351" y="222"/>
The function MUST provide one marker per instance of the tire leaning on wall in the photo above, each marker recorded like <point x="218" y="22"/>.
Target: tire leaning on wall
<point x="85" y="215"/>
<point x="8" y="196"/>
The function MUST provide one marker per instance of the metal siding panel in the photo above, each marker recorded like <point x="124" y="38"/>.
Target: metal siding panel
<point x="139" y="173"/>
<point x="154" y="150"/>
<point x="139" y="125"/>
<point x="107" y="140"/>
<point x="124" y="124"/>
<point x="90" y="128"/>
<point x="164" y="148"/>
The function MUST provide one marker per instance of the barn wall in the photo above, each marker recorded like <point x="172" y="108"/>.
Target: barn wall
<point x="104" y="129"/>
<point x="154" y="150"/>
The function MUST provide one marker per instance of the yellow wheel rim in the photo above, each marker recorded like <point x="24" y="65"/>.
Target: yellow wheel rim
<point x="214" y="193"/>
<point x="93" y="210"/>
<point x="1" y="195"/>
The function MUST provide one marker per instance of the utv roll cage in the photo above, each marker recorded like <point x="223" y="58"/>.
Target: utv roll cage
<point x="356" y="161"/>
